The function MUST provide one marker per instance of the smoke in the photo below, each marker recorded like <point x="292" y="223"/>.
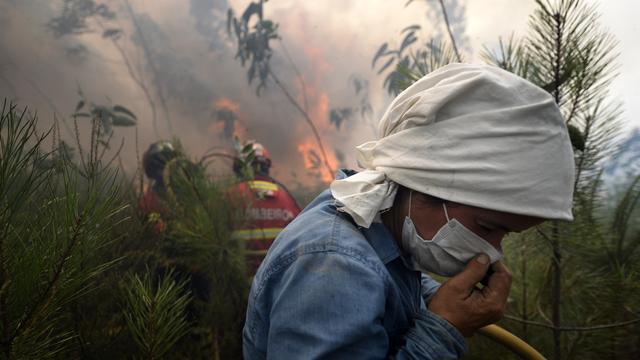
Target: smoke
<point x="207" y="15"/>
<point x="181" y="54"/>
<point x="456" y="14"/>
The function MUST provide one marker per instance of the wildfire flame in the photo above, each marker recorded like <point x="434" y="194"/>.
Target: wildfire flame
<point x="228" y="104"/>
<point x="313" y="159"/>
<point x="228" y="114"/>
<point x="318" y="111"/>
<point x="308" y="147"/>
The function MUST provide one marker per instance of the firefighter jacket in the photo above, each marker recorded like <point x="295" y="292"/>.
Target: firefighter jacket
<point x="269" y="208"/>
<point x="152" y="207"/>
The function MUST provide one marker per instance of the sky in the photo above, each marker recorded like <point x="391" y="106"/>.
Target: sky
<point x="618" y="17"/>
<point x="331" y="43"/>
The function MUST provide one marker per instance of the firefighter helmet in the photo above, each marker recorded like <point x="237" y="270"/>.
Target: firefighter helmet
<point x="261" y="162"/>
<point x="157" y="157"/>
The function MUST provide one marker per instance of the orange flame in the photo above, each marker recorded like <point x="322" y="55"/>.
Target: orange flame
<point x="227" y="104"/>
<point x="309" y="148"/>
<point x="313" y="159"/>
<point x="218" y="127"/>
<point x="318" y="112"/>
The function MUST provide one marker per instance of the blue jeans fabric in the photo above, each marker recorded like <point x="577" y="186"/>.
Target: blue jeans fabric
<point x="330" y="290"/>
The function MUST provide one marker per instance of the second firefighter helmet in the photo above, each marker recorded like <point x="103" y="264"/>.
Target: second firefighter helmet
<point x="255" y="155"/>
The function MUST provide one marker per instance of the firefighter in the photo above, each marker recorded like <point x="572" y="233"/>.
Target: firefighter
<point x="165" y="165"/>
<point x="154" y="162"/>
<point x="269" y="205"/>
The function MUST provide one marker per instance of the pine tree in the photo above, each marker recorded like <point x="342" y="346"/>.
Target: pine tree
<point x="199" y="244"/>
<point x="55" y="222"/>
<point x="570" y="56"/>
<point x="577" y="282"/>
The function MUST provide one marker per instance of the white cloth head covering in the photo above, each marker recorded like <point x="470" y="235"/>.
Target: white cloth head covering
<point x="472" y="134"/>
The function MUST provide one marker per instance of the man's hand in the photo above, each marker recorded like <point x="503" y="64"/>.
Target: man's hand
<point x="468" y="308"/>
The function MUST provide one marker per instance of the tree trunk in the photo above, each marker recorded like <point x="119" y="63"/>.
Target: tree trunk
<point x="523" y="272"/>
<point x="216" y="344"/>
<point x="556" y="292"/>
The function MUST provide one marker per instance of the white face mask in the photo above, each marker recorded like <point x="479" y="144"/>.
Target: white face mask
<point x="449" y="250"/>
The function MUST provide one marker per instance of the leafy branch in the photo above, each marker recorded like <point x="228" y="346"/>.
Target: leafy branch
<point x="253" y="44"/>
<point x="80" y="16"/>
<point x="411" y="64"/>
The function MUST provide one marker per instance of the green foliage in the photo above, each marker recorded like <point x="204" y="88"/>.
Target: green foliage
<point x="244" y="161"/>
<point x="107" y="116"/>
<point x="339" y="115"/>
<point x="362" y="107"/>
<point x="583" y="274"/>
<point x="569" y="278"/>
<point x="254" y="45"/>
<point x="411" y="65"/>
<point x="113" y="34"/>
<point x="253" y="42"/>
<point x="54" y="224"/>
<point x="199" y="242"/>
<point x="567" y="54"/>
<point x="71" y="249"/>
<point x="155" y="312"/>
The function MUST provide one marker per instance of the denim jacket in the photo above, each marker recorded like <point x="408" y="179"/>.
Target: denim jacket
<point x="330" y="290"/>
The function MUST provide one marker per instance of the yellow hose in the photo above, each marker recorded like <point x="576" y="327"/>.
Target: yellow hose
<point x="511" y="342"/>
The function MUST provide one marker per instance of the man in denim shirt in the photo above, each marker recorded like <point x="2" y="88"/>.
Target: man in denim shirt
<point x="466" y="154"/>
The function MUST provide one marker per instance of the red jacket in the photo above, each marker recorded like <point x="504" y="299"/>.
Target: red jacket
<point x="269" y="208"/>
<point x="154" y="210"/>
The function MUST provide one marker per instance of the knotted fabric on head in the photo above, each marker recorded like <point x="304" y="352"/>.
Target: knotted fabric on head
<point x="472" y="134"/>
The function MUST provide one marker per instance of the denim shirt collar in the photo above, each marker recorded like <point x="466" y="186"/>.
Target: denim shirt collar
<point x="382" y="242"/>
<point x="377" y="234"/>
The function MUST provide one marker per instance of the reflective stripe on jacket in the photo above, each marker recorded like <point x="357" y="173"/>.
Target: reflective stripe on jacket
<point x="269" y="208"/>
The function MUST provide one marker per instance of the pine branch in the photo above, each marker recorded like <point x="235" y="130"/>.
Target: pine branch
<point x="155" y="314"/>
<point x="44" y="299"/>
<point x="453" y="39"/>
<point x="19" y="153"/>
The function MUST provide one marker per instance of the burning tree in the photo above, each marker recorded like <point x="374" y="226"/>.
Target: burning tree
<point x="254" y="34"/>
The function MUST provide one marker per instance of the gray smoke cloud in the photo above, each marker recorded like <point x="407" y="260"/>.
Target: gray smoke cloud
<point x="181" y="54"/>
<point x="207" y="15"/>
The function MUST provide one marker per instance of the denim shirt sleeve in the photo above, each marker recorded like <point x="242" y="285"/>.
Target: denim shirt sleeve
<point x="432" y="337"/>
<point x="429" y="287"/>
<point x="330" y="304"/>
